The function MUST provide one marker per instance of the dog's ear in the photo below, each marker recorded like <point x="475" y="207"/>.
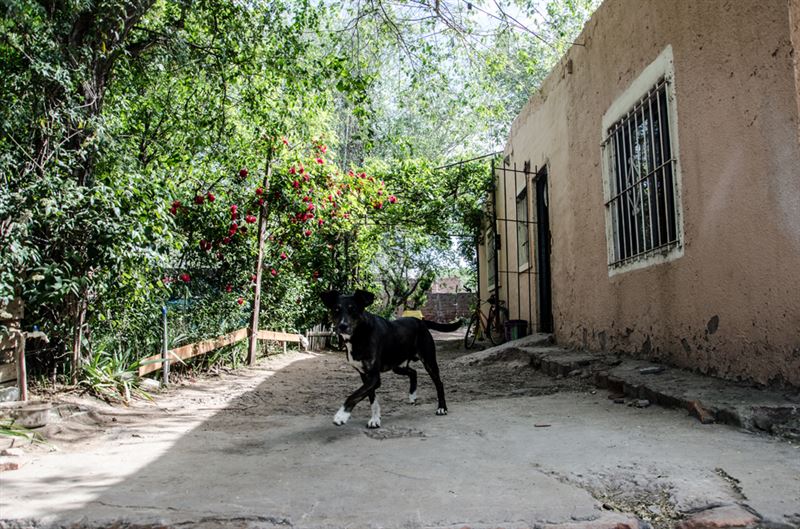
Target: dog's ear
<point x="364" y="298"/>
<point x="330" y="298"/>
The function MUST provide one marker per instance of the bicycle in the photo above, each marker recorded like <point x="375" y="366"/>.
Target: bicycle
<point x="491" y="326"/>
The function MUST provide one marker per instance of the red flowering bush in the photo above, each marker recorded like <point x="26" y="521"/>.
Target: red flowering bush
<point x="309" y="204"/>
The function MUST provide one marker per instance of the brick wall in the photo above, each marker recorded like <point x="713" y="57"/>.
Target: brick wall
<point x="448" y="307"/>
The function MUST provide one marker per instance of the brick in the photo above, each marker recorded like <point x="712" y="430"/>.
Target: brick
<point x="697" y="410"/>
<point x="724" y="517"/>
<point x="8" y="465"/>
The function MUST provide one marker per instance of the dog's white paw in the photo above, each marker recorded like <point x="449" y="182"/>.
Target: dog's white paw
<point x="375" y="420"/>
<point x="341" y="417"/>
<point x="441" y="411"/>
<point x="412" y="398"/>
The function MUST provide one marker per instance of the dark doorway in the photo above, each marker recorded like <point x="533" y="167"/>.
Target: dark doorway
<point x="544" y="291"/>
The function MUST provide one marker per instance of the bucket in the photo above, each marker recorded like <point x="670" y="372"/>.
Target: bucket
<point x="515" y="329"/>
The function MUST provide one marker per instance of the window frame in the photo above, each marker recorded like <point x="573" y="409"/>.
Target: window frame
<point x="491" y="257"/>
<point x="522" y="227"/>
<point x="628" y="104"/>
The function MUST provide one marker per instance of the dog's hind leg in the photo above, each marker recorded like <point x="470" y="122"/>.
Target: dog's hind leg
<point x="412" y="377"/>
<point x="428" y="358"/>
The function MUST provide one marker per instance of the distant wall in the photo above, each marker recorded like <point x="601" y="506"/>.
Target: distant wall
<point x="448" y="307"/>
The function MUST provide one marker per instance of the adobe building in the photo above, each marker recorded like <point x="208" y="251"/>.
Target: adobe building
<point x="648" y="201"/>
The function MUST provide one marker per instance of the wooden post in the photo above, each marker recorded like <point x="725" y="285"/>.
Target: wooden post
<point x="22" y="375"/>
<point x="164" y="349"/>
<point x="262" y="237"/>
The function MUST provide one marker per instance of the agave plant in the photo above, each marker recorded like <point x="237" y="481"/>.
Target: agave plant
<point x="112" y="376"/>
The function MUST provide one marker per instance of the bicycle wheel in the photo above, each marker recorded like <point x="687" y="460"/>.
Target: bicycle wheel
<point x="472" y="331"/>
<point x="496" y="327"/>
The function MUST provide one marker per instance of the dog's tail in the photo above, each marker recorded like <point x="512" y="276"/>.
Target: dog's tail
<point x="443" y="327"/>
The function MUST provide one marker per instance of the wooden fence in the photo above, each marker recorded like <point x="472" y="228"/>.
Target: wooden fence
<point x="13" y="385"/>
<point x="156" y="362"/>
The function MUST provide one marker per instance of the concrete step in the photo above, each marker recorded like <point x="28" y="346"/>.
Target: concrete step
<point x="710" y="399"/>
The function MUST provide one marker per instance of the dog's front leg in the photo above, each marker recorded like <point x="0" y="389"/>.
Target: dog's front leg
<point x="371" y="383"/>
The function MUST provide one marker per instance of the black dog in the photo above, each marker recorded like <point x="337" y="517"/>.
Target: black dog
<point x="375" y="345"/>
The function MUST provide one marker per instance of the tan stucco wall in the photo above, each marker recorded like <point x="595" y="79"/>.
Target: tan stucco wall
<point x="737" y="114"/>
<point x="794" y="21"/>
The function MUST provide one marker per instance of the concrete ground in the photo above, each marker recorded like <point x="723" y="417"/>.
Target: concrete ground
<point x="257" y="448"/>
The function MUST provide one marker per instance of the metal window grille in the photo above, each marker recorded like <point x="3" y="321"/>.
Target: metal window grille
<point x="641" y="206"/>
<point x="522" y="229"/>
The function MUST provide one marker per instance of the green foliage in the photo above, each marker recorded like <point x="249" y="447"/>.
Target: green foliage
<point x="9" y="429"/>
<point x="112" y="376"/>
<point x="114" y="110"/>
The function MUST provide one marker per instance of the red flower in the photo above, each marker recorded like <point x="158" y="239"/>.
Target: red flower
<point x="307" y="233"/>
<point x="296" y="184"/>
<point x="285" y="141"/>
<point x="362" y="175"/>
<point x="323" y="148"/>
<point x="198" y="199"/>
<point x="378" y="205"/>
<point x="253" y="278"/>
<point x="346" y="215"/>
<point x="292" y="170"/>
<point x="392" y="199"/>
<point x="283" y="255"/>
<point x="233" y="229"/>
<point x="261" y="201"/>
<point x="226" y="240"/>
<point x="310" y="207"/>
<point x="321" y="222"/>
<point x="173" y="210"/>
<point x="204" y="245"/>
<point x="240" y="301"/>
<point x="273" y="272"/>
<point x="302" y="169"/>
<point x="211" y="197"/>
<point x="250" y="219"/>
<point x="176" y="203"/>
<point x="306" y="177"/>
<point x="184" y="277"/>
<point x="259" y="191"/>
<point x="351" y="173"/>
<point x="320" y="161"/>
<point x="243" y="173"/>
<point x="234" y="208"/>
<point x="228" y="288"/>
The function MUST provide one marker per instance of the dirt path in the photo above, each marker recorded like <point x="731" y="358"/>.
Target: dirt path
<point x="302" y="384"/>
<point x="256" y="448"/>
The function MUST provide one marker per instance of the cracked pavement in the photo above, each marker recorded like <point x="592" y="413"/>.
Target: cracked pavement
<point x="257" y="449"/>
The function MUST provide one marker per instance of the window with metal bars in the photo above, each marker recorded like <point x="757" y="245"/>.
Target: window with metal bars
<point x="523" y="251"/>
<point x="642" y="208"/>
<point x="491" y="258"/>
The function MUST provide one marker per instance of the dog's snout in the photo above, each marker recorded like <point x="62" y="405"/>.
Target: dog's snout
<point x="343" y="328"/>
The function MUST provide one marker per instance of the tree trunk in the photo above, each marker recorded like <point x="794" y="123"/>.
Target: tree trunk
<point x="262" y="237"/>
<point x="77" y="337"/>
